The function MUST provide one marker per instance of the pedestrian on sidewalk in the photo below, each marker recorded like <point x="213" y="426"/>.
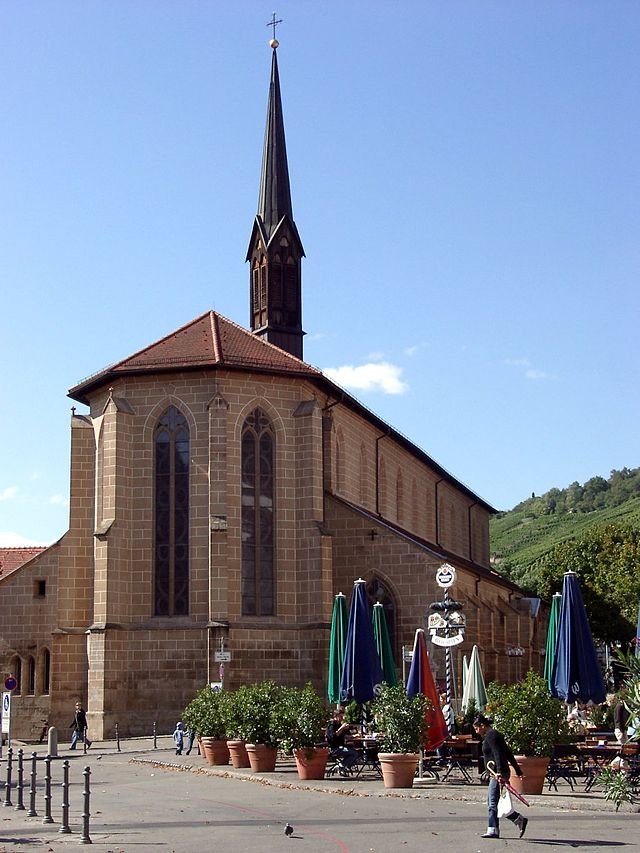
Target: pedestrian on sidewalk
<point x="496" y="750"/>
<point x="178" y="738"/>
<point x="79" y="727"/>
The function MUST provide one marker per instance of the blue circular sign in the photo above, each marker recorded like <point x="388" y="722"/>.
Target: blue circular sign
<point x="10" y="683"/>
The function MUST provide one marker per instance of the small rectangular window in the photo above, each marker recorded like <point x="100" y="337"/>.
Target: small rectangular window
<point x="39" y="588"/>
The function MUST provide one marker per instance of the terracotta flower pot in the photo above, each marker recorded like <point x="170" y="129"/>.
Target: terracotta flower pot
<point x="398" y="768"/>
<point x="215" y="750"/>
<point x="238" y="753"/>
<point x="534" y="770"/>
<point x="311" y="763"/>
<point x="262" y="758"/>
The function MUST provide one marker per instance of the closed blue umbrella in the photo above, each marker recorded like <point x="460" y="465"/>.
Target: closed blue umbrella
<point x="383" y="645"/>
<point x="337" y="641"/>
<point x="552" y="639"/>
<point x="362" y="673"/>
<point x="576" y="672"/>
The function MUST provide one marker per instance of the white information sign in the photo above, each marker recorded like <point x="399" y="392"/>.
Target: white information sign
<point x="222" y="657"/>
<point x="6" y="713"/>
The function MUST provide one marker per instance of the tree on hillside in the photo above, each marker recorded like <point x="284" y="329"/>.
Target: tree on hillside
<point x="606" y="559"/>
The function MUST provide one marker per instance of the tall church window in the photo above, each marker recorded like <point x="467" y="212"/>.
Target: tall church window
<point x="16" y="671"/>
<point x="45" y="671"/>
<point x="32" y="676"/>
<point x="379" y="593"/>
<point x="257" y="515"/>
<point x="171" y="545"/>
<point x="363" y="476"/>
<point x="399" y="498"/>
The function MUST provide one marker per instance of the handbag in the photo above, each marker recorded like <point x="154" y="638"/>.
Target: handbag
<point x="505" y="806"/>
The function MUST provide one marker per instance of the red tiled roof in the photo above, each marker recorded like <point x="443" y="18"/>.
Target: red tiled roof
<point x="12" y="558"/>
<point x="208" y="341"/>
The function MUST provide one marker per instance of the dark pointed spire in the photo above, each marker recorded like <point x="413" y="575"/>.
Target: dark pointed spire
<point x="275" y="192"/>
<point x="275" y="249"/>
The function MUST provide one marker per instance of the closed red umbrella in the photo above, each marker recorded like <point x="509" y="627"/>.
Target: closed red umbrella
<point x="420" y="680"/>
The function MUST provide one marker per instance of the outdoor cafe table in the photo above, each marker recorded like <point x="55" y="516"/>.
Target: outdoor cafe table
<point x="594" y="757"/>
<point x="461" y="751"/>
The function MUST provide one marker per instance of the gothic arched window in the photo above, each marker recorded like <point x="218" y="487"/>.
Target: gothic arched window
<point x="171" y="541"/>
<point x="16" y="670"/>
<point x="45" y="671"/>
<point x="257" y="516"/>
<point x="32" y="676"/>
<point x="378" y="592"/>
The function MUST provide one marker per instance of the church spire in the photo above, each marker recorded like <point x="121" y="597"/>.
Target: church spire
<point x="275" y="250"/>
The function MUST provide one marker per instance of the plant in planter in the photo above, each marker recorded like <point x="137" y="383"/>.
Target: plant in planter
<point x="299" y="723"/>
<point x="532" y="722"/>
<point x="254" y="707"/>
<point x="206" y="716"/>
<point x="402" y="722"/>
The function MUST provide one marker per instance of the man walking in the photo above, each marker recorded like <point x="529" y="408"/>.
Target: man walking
<point x="79" y="726"/>
<point x="498" y="756"/>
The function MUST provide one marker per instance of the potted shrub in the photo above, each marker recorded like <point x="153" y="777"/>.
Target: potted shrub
<point x="532" y="722"/>
<point x="402" y="722"/>
<point x="299" y="721"/>
<point x="206" y="716"/>
<point x="254" y="706"/>
<point x="235" y="743"/>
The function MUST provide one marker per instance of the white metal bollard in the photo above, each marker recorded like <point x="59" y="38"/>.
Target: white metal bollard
<point x="52" y="742"/>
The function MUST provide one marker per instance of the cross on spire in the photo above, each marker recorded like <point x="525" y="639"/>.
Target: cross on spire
<point x="274" y="23"/>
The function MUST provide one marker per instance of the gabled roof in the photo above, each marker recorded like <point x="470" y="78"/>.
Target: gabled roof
<point x="13" y="558"/>
<point x="208" y="341"/>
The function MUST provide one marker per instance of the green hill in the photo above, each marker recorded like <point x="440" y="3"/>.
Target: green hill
<point x="523" y="535"/>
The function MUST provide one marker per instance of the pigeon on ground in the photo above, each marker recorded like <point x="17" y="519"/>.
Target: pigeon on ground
<point x="288" y="830"/>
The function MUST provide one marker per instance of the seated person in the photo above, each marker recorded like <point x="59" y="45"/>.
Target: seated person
<point x="337" y="731"/>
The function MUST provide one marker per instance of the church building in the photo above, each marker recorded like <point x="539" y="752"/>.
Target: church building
<point x="222" y="492"/>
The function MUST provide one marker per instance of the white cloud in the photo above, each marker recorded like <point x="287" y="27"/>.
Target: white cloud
<point x="9" y="493"/>
<point x="59" y="500"/>
<point x="382" y="376"/>
<point x="532" y="373"/>
<point x="9" y="539"/>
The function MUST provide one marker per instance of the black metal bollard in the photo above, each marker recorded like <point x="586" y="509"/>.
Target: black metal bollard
<point x="32" y="791"/>
<point x="64" y="826"/>
<point x="20" y="803"/>
<point x="7" y="787"/>
<point x="117" y="738"/>
<point x="47" y="791"/>
<point x="86" y="794"/>
<point x="155" y="735"/>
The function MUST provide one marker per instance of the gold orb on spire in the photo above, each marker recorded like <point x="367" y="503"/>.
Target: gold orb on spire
<point x="274" y="43"/>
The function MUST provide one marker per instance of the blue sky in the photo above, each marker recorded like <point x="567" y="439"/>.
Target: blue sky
<point x="465" y="181"/>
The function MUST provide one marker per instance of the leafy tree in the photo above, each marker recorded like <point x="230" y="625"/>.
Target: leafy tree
<point x="606" y="558"/>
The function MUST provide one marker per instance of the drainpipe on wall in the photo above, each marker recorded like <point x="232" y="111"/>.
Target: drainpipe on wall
<point x="437" y="511"/>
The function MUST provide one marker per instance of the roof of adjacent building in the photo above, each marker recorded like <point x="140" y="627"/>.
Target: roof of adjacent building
<point x="13" y="558"/>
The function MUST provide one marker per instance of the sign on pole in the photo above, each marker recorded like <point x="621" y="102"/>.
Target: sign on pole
<point x="6" y="713"/>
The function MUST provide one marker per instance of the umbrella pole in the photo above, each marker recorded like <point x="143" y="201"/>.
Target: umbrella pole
<point x="447" y="656"/>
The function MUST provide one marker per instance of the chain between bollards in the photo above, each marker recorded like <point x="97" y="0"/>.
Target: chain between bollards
<point x="7" y="787"/>
<point x="20" y="803"/>
<point x="47" y="790"/>
<point x="64" y="826"/>
<point x="86" y="794"/>
<point x="32" y="791"/>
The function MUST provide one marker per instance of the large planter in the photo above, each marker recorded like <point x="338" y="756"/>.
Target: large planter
<point x="398" y="768"/>
<point x="238" y="753"/>
<point x="215" y="751"/>
<point x="534" y="771"/>
<point x="311" y="763"/>
<point x="262" y="758"/>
